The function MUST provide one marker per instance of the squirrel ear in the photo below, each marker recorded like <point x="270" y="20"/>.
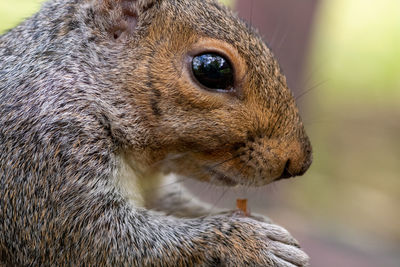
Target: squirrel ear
<point x="120" y="17"/>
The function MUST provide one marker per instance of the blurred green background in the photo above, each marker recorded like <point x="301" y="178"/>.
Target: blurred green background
<point x="346" y="208"/>
<point x="356" y="133"/>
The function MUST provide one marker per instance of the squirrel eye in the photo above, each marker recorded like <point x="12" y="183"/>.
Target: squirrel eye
<point x="213" y="71"/>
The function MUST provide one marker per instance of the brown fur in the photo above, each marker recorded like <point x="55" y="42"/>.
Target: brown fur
<point x="260" y="114"/>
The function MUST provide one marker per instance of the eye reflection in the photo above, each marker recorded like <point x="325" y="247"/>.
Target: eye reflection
<point x="213" y="71"/>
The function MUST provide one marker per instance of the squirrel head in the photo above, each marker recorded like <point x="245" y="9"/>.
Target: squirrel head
<point x="208" y="91"/>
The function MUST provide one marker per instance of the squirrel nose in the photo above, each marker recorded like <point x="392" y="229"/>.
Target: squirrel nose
<point x="297" y="164"/>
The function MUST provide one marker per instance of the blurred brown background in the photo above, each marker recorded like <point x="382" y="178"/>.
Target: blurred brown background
<point x="286" y="26"/>
<point x="342" y="60"/>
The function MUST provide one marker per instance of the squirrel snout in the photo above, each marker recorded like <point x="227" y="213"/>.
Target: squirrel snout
<point x="263" y="160"/>
<point x="297" y="163"/>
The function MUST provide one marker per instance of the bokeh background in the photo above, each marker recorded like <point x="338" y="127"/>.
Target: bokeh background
<point x="342" y="61"/>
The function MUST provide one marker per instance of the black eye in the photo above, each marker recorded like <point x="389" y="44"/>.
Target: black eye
<point x="213" y="71"/>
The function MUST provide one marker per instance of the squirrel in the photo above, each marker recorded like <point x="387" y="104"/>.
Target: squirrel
<point x="104" y="101"/>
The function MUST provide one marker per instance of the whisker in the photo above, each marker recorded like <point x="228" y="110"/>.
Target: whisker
<point x="305" y="92"/>
<point x="251" y="13"/>
<point x="244" y="165"/>
<point x="283" y="39"/>
<point x="312" y="73"/>
<point x="169" y="157"/>
<point x="166" y="185"/>
<point x="227" y="160"/>
<point x="275" y="35"/>
<point x="218" y="200"/>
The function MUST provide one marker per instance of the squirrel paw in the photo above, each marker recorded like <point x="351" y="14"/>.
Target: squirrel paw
<point x="282" y="248"/>
<point x="256" y="243"/>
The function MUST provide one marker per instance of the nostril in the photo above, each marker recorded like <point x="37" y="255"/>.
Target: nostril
<point x="286" y="173"/>
<point x="294" y="168"/>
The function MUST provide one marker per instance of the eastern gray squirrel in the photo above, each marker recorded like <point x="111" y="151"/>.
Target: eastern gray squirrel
<point x="100" y="99"/>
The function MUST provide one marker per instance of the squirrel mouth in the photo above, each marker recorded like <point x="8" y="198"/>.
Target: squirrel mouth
<point x="221" y="178"/>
